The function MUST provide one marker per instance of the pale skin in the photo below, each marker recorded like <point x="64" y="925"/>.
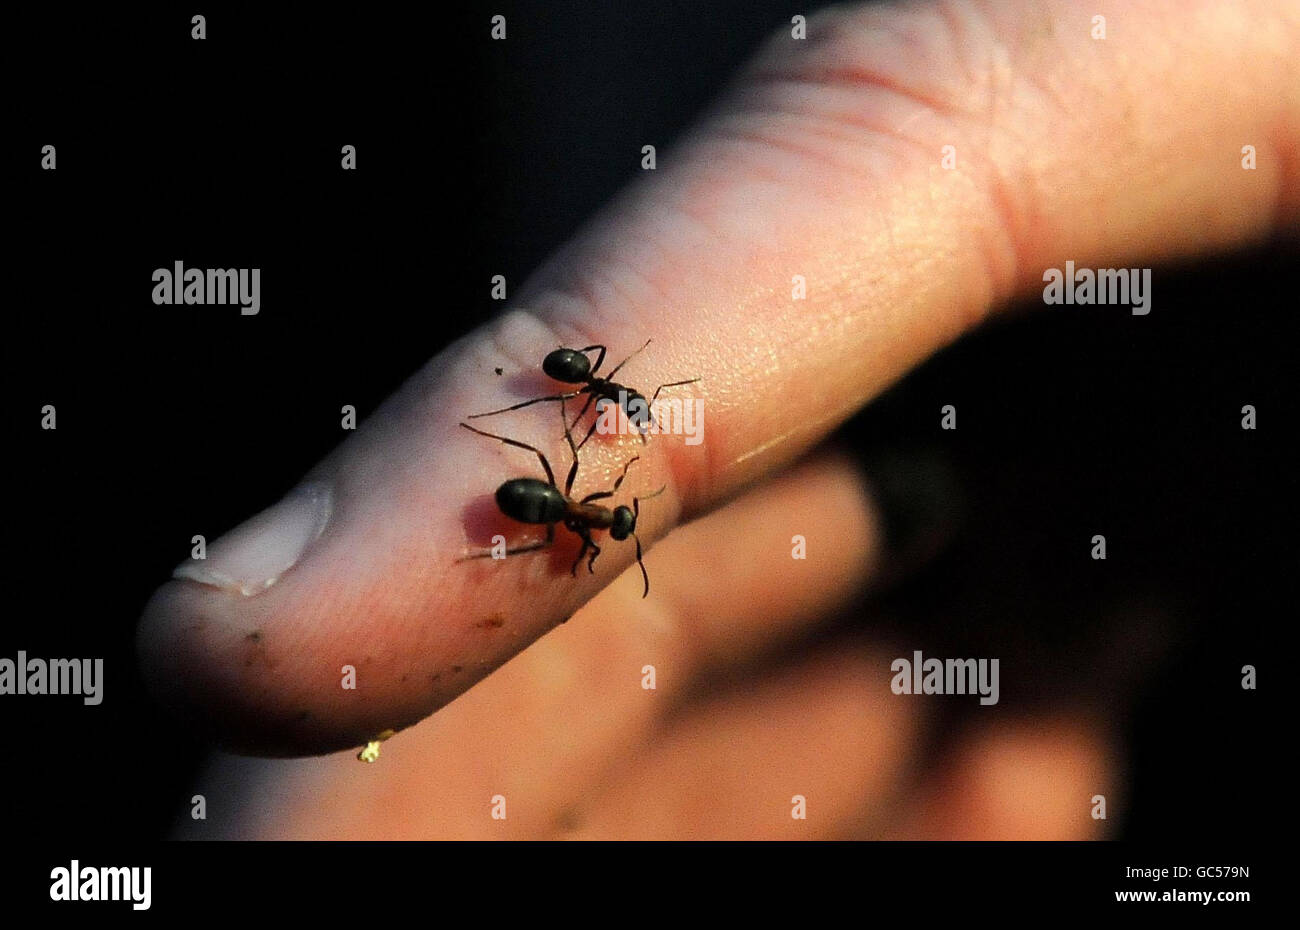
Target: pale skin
<point x="821" y="161"/>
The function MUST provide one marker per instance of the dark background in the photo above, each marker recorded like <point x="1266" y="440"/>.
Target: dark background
<point x="478" y="158"/>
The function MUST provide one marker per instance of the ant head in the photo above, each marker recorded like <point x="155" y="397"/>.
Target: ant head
<point x="624" y="523"/>
<point x="567" y="365"/>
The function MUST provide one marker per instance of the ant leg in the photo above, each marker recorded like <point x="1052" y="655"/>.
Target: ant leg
<point x="531" y="547"/>
<point x="550" y="476"/>
<point x="568" y="434"/>
<point x="595" y="551"/>
<point x="596" y="422"/>
<point x="625" y="361"/>
<point x="601" y="495"/>
<point x="589" y="432"/>
<point x="669" y="384"/>
<point x="636" y="501"/>
<point x="599" y="358"/>
<point x="585" y="405"/>
<point x="656" y="397"/>
<point x="644" y="577"/>
<point x="527" y="403"/>
<point x="488" y="554"/>
<point x="586" y="544"/>
<point x="619" y="481"/>
<point x="636" y="513"/>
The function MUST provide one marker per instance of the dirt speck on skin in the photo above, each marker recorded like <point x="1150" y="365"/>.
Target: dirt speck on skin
<point x="568" y="820"/>
<point x="256" y="652"/>
<point x="404" y="677"/>
<point x="496" y="621"/>
<point x="457" y="668"/>
<point x="436" y="676"/>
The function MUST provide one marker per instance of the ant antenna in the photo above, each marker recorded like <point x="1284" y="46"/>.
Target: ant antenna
<point x="636" y="513"/>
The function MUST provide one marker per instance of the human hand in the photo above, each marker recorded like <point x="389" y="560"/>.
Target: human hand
<point x="822" y="162"/>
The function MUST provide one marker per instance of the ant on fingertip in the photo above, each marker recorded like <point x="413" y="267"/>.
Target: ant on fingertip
<point x="572" y="366"/>
<point x="531" y="500"/>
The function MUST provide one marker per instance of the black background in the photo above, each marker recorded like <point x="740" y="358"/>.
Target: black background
<point x="479" y="158"/>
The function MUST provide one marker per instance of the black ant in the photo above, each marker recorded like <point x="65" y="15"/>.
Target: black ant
<point x="531" y="500"/>
<point x="572" y="366"/>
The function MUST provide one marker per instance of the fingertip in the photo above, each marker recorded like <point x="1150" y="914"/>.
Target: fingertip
<point x="228" y="679"/>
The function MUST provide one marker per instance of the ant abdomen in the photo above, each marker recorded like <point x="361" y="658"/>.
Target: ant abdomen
<point x="531" y="500"/>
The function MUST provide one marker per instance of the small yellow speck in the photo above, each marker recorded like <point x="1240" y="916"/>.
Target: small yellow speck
<point x="371" y="751"/>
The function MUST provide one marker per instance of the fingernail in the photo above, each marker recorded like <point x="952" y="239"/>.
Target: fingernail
<point x="254" y="555"/>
